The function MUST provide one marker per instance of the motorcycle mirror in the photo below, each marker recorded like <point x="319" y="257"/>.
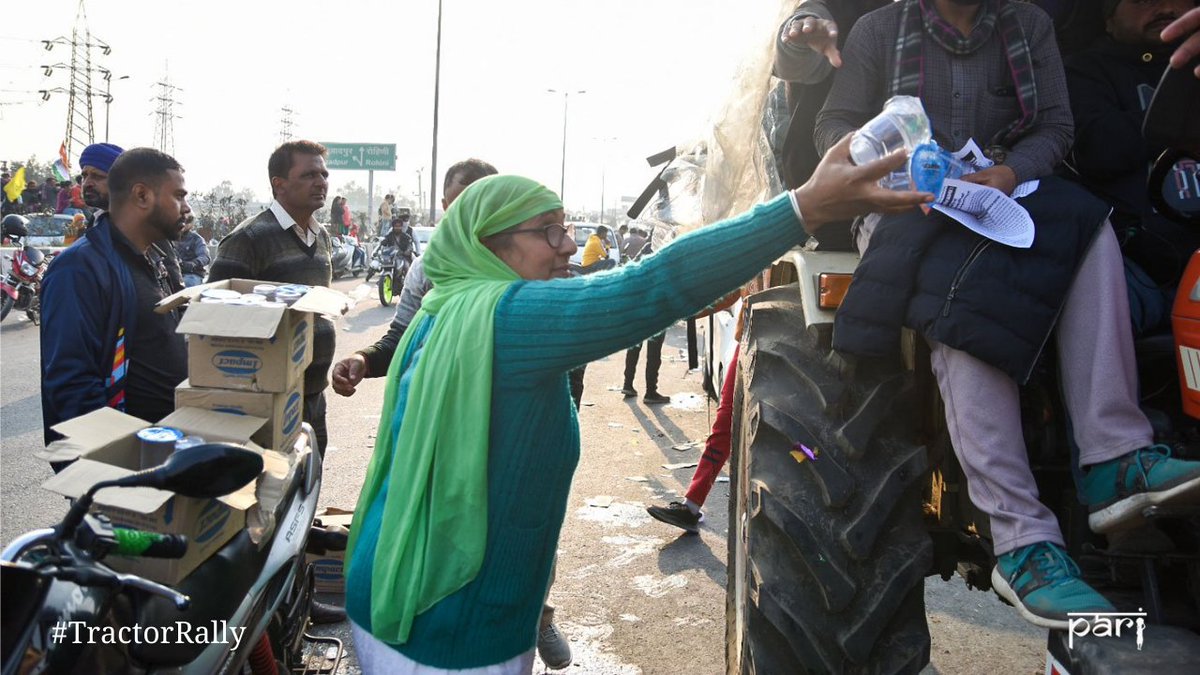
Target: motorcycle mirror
<point x="205" y="471"/>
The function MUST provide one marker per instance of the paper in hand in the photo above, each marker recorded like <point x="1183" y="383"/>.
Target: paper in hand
<point x="986" y="211"/>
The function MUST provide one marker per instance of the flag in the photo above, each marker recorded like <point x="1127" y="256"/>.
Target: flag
<point x="16" y="185"/>
<point x="66" y="161"/>
<point x="61" y="173"/>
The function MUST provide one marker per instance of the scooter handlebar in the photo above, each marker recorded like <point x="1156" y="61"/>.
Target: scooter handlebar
<point x="149" y="544"/>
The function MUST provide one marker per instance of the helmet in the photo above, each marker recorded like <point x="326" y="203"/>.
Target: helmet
<point x="15" y="225"/>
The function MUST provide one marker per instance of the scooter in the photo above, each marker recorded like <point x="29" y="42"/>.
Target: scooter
<point x="347" y="257"/>
<point x="22" y="283"/>
<point x="60" y="599"/>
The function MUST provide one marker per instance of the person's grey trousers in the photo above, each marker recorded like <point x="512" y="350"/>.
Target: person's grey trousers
<point x="1099" y="382"/>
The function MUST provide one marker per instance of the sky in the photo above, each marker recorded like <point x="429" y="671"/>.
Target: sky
<point x="654" y="72"/>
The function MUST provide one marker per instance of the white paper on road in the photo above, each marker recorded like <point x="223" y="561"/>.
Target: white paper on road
<point x="986" y="211"/>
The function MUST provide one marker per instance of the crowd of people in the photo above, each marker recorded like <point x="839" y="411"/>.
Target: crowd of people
<point x="452" y="553"/>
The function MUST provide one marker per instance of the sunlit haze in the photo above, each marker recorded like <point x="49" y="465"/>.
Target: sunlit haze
<point x="654" y="71"/>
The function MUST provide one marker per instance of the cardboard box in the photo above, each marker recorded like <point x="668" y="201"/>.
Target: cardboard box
<point x="329" y="566"/>
<point x="247" y="347"/>
<point x="106" y="446"/>
<point x="283" y="412"/>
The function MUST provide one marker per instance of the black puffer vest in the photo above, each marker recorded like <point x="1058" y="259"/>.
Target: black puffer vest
<point x="992" y="301"/>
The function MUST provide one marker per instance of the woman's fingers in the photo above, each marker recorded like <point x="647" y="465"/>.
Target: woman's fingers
<point x="893" y="201"/>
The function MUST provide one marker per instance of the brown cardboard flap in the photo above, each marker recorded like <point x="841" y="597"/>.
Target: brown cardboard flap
<point x="332" y="515"/>
<point x="244" y="321"/>
<point x="321" y="300"/>
<point x="318" y="299"/>
<point x="100" y="427"/>
<point x="187" y="295"/>
<point x="215" y="426"/>
<point x="89" y="433"/>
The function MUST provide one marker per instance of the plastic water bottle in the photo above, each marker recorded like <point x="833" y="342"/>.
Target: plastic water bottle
<point x="929" y="166"/>
<point x="901" y="125"/>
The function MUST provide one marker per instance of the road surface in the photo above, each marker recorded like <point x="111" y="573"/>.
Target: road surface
<point x="633" y="595"/>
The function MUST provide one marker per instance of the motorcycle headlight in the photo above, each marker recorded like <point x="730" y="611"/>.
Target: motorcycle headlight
<point x="28" y="270"/>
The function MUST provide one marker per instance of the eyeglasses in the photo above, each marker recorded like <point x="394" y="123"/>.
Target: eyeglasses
<point x="554" y="233"/>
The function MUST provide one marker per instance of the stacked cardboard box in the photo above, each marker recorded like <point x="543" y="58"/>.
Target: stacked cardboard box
<point x="105" y="446"/>
<point x="328" y="576"/>
<point x="250" y="360"/>
<point x="245" y="386"/>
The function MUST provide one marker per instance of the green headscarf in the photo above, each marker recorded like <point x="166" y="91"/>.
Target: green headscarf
<point x="434" y="526"/>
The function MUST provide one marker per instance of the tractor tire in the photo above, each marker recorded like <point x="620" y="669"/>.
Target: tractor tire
<point x="827" y="556"/>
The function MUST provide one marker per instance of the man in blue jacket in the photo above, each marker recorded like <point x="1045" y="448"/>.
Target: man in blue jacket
<point x="102" y="343"/>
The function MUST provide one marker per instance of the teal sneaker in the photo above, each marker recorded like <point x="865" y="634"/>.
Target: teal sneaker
<point x="1119" y="490"/>
<point x="1043" y="583"/>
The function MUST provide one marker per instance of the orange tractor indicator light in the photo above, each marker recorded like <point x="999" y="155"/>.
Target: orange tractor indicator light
<point x="832" y="289"/>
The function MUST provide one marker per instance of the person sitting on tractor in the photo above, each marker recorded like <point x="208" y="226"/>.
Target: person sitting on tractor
<point x="991" y="70"/>
<point x="1111" y="85"/>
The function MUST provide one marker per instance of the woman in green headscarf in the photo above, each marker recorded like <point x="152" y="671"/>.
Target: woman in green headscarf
<point x="458" y="519"/>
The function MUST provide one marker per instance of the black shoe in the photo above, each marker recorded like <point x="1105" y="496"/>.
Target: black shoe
<point x="655" y="398"/>
<point x="628" y="391"/>
<point x="321" y="613"/>
<point x="677" y="514"/>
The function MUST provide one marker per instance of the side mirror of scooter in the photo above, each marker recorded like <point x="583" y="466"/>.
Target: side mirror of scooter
<point x="205" y="471"/>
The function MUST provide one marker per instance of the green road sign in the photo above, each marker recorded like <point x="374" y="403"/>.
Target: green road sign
<point x="365" y="156"/>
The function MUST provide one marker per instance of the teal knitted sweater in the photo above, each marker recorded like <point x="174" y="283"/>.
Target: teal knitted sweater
<point x="544" y="329"/>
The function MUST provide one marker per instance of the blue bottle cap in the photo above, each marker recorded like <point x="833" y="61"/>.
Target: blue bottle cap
<point x="928" y="166"/>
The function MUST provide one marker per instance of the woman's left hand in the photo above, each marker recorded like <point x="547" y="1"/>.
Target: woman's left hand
<point x="1000" y="177"/>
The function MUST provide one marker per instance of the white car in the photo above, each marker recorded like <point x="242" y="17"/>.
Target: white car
<point x="581" y="232"/>
<point x="422" y="235"/>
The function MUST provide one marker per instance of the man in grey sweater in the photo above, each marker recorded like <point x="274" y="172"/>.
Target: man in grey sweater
<point x="285" y="244"/>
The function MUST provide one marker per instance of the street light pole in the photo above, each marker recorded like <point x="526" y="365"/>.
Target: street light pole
<point x="108" y="101"/>
<point x="437" y="83"/>
<point x="562" y="179"/>
<point x="603" y="169"/>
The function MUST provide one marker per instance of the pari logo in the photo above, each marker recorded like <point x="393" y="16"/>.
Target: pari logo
<point x="291" y="413"/>
<point x="237" y="363"/>
<point x="1104" y="624"/>
<point x="299" y="341"/>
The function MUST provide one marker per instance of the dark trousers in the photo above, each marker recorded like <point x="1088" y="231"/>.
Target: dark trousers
<point x="653" y="360"/>
<point x="314" y="414"/>
<point x="576" y="378"/>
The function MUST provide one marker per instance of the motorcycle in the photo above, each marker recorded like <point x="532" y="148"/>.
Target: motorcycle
<point x="253" y="599"/>
<point x="393" y="268"/>
<point x="347" y="257"/>
<point x="22" y="283"/>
